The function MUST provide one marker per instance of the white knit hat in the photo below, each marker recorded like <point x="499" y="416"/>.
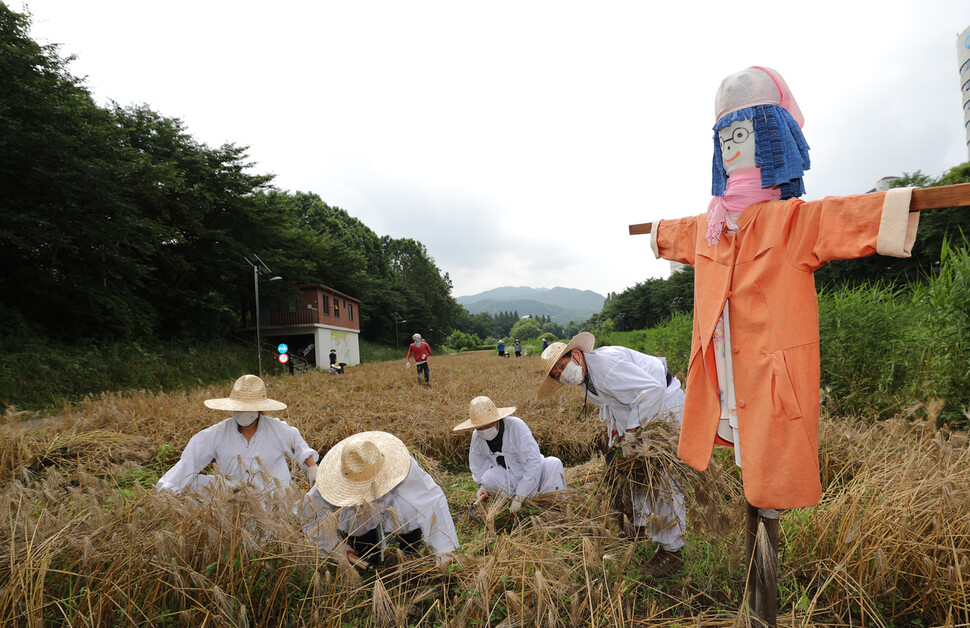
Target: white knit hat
<point x="756" y="85"/>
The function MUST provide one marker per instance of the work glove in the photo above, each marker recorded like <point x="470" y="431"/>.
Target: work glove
<point x="628" y="444"/>
<point x="481" y="496"/>
<point x="516" y="505"/>
<point x="407" y="364"/>
<point x="444" y="560"/>
<point x="352" y="558"/>
<point x="312" y="475"/>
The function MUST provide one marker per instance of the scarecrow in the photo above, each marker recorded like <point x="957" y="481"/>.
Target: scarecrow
<point x="638" y="398"/>
<point x="421" y="351"/>
<point x="504" y="457"/>
<point x="249" y="446"/>
<point x="753" y="376"/>
<point x="371" y="491"/>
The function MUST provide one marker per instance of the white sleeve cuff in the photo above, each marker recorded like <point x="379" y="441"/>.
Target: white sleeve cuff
<point x="897" y="229"/>
<point x="653" y="239"/>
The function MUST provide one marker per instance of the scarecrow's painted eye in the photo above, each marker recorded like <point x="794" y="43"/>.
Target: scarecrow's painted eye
<point x="740" y="134"/>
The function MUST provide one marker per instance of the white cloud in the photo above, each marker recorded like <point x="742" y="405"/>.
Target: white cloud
<point x="518" y="141"/>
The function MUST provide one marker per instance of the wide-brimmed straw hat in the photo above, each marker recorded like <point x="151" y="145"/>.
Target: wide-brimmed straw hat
<point x="362" y="468"/>
<point x="584" y="341"/>
<point x="248" y="395"/>
<point x="482" y="411"/>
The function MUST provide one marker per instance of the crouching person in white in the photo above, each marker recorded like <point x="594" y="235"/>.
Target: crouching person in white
<point x="504" y="456"/>
<point x="632" y="390"/>
<point x="249" y="447"/>
<point x="369" y="492"/>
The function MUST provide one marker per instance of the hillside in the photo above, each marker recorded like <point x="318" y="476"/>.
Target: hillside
<point x="562" y="305"/>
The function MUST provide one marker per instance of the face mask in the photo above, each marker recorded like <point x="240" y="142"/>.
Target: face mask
<point x="245" y="418"/>
<point x="488" y="434"/>
<point x="572" y="375"/>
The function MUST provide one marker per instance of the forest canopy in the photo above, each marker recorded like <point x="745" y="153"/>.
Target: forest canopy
<point x="115" y="223"/>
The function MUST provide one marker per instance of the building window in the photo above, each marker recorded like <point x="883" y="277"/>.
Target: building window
<point x="326" y="305"/>
<point x="350" y="311"/>
<point x="965" y="66"/>
<point x="336" y="308"/>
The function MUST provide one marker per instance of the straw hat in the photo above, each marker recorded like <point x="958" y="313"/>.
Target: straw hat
<point x="248" y="395"/>
<point x="584" y="341"/>
<point x="482" y="411"/>
<point x="362" y="468"/>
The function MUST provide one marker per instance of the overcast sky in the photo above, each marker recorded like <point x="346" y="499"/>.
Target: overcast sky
<point x="518" y="140"/>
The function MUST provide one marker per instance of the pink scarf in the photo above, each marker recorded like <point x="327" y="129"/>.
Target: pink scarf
<point x="743" y="190"/>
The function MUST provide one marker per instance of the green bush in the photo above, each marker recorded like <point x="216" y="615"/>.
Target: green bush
<point x="867" y="351"/>
<point x="40" y="373"/>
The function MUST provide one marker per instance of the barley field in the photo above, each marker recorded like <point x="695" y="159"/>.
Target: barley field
<point x="85" y="541"/>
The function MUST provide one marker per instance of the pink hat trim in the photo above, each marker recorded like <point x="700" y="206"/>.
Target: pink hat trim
<point x="787" y="101"/>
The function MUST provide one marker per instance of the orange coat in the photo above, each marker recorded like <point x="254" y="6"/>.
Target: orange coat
<point x="767" y="270"/>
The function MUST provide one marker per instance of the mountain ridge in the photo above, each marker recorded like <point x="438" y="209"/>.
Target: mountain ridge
<point x="561" y="304"/>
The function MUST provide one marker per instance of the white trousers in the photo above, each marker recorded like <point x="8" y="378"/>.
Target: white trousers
<point x="668" y="506"/>
<point x="552" y="479"/>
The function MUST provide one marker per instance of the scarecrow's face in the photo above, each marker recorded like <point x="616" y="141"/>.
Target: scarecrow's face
<point x="737" y="146"/>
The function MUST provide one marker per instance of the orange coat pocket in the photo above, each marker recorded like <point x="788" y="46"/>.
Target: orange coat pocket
<point x="783" y="400"/>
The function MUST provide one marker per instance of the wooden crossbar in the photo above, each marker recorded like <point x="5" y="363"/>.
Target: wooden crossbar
<point x="923" y="198"/>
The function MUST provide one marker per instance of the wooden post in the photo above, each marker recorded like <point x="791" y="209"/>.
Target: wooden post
<point x="761" y="542"/>
<point x="923" y="198"/>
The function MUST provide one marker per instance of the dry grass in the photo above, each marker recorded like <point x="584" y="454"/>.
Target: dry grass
<point x="83" y="542"/>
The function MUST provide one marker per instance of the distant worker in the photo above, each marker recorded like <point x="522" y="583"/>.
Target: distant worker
<point x="632" y="391"/>
<point x="370" y="492"/>
<point x="249" y="446"/>
<point x="545" y="344"/>
<point x="504" y="456"/>
<point x="518" y="348"/>
<point x="333" y="357"/>
<point x="421" y="351"/>
<point x="501" y="348"/>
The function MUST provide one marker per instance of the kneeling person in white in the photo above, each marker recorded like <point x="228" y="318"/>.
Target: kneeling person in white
<point x="504" y="456"/>
<point x="249" y="447"/>
<point x="369" y="491"/>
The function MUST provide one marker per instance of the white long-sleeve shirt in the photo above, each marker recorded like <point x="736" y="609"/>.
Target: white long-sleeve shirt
<point x="523" y="460"/>
<point x="631" y="389"/>
<point x="240" y="460"/>
<point x="417" y="502"/>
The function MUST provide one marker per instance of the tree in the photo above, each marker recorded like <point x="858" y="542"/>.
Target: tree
<point x="934" y="226"/>
<point x="552" y="329"/>
<point x="429" y="308"/>
<point x="460" y="341"/>
<point x="526" y="329"/>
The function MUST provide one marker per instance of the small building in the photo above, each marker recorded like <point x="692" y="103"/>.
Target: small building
<point x="316" y="321"/>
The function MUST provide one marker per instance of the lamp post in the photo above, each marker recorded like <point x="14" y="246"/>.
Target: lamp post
<point x="397" y="319"/>
<point x="259" y="267"/>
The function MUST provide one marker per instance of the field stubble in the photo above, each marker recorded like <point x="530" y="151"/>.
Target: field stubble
<point x="85" y="541"/>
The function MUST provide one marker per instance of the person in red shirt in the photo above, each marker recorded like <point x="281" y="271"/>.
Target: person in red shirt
<point x="421" y="351"/>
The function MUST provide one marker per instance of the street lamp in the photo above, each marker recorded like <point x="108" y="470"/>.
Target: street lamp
<point x="259" y="268"/>
<point x="397" y="319"/>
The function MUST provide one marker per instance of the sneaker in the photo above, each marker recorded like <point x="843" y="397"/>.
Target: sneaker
<point x="663" y="563"/>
